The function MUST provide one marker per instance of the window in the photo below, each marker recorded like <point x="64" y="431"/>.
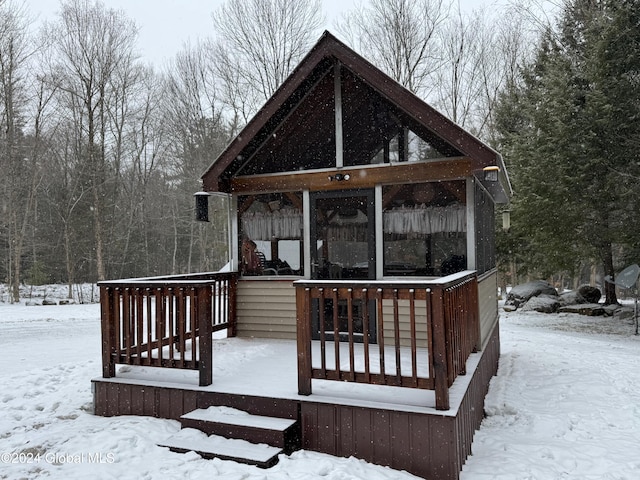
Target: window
<point x="271" y="234"/>
<point x="424" y="229"/>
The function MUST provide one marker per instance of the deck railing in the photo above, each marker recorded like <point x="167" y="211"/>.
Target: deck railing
<point x="166" y="321"/>
<point x="416" y="334"/>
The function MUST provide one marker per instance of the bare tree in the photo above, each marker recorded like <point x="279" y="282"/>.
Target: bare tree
<point x="89" y="45"/>
<point x="265" y="39"/>
<point x="197" y="125"/>
<point x="19" y="156"/>
<point x="401" y="37"/>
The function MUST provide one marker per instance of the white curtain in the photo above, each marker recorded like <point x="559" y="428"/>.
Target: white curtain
<point x="285" y="223"/>
<point x="425" y="220"/>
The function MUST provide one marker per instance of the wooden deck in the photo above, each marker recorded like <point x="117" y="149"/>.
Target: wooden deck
<point x="386" y="425"/>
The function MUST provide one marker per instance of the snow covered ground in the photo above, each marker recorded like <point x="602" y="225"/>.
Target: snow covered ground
<point x="565" y="405"/>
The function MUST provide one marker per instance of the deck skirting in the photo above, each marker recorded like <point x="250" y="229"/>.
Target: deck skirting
<point x="430" y="445"/>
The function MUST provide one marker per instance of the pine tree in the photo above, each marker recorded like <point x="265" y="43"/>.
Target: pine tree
<point x="568" y="131"/>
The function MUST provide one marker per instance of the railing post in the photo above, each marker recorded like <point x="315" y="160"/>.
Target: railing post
<point x="303" y="326"/>
<point x="107" y="304"/>
<point x="435" y="298"/>
<point x="205" y="334"/>
<point x="232" y="285"/>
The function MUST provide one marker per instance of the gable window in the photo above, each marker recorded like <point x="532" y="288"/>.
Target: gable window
<point x="271" y="234"/>
<point x="424" y="228"/>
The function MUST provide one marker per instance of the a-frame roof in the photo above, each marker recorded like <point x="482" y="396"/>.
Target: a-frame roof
<point x="307" y="76"/>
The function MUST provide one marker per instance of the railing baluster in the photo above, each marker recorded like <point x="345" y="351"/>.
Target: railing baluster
<point x="126" y="321"/>
<point x="365" y="333"/>
<point x="383" y="371"/>
<point x="396" y="336"/>
<point x="159" y="323"/>
<point x="193" y="324"/>
<point x="352" y="362"/>
<point x="150" y="331"/>
<point x="336" y="331"/>
<point x="170" y="323"/>
<point x="412" y="328"/>
<point x="321" y="326"/>
<point x="182" y="325"/>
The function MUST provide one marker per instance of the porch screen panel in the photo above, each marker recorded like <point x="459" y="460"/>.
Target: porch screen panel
<point x="485" y="230"/>
<point x="271" y="228"/>
<point x="424" y="228"/>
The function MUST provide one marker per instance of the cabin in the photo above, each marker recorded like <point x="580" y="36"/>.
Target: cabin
<point x="358" y="314"/>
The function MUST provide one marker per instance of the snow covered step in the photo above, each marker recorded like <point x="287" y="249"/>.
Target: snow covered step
<point x="214" y="446"/>
<point x="232" y="423"/>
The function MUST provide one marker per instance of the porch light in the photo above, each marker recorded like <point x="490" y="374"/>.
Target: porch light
<point x="202" y="206"/>
<point x="339" y="177"/>
<point x="491" y="173"/>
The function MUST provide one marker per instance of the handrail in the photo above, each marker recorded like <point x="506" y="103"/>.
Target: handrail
<point x="166" y="321"/>
<point x="414" y="333"/>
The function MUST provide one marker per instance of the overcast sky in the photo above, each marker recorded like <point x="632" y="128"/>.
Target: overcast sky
<point x="166" y="25"/>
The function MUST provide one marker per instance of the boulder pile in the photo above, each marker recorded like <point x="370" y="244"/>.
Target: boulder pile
<point x="541" y="296"/>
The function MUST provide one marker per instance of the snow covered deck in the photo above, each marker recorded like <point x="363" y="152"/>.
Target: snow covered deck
<point x="268" y="368"/>
<point x="395" y="426"/>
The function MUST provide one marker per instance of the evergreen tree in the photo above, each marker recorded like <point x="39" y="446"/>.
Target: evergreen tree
<point x="568" y="130"/>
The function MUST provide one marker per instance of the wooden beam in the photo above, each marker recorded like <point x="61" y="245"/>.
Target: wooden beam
<point x="337" y="95"/>
<point x="359" y="177"/>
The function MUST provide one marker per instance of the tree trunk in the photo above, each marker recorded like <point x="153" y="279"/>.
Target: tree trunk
<point x="609" y="288"/>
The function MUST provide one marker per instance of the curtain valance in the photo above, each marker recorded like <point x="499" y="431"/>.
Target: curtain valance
<point x="286" y="223"/>
<point x="425" y="220"/>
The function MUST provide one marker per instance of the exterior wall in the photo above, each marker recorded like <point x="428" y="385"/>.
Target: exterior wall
<point x="488" y="304"/>
<point x="266" y="309"/>
<point x="405" y="330"/>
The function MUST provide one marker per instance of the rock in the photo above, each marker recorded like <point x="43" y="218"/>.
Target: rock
<point x="49" y="302"/>
<point x="509" y="308"/>
<point x="589" y="293"/>
<point x="611" y="310"/>
<point x="624" y="313"/>
<point x="590" y="309"/>
<point x="571" y="297"/>
<point x="522" y="293"/>
<point x="542" y="303"/>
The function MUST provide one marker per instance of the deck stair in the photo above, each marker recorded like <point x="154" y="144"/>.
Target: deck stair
<point x="230" y="434"/>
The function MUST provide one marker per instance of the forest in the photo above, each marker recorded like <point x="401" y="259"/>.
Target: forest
<point x="101" y="152"/>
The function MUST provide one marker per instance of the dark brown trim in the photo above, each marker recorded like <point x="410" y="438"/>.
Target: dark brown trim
<point x="359" y="177"/>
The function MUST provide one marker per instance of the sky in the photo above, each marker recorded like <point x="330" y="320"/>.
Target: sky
<point x="565" y="404"/>
<point x="167" y="25"/>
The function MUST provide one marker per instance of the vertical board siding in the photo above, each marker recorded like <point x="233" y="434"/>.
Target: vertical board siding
<point x="266" y="309"/>
<point x="488" y="304"/>
<point x="422" y="444"/>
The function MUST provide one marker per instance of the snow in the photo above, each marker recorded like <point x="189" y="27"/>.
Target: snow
<point x="564" y="405"/>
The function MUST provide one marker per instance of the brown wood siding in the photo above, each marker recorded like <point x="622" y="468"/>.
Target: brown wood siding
<point x="112" y="398"/>
<point x="266" y="309"/>
<point x="488" y="304"/>
<point x="418" y="443"/>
